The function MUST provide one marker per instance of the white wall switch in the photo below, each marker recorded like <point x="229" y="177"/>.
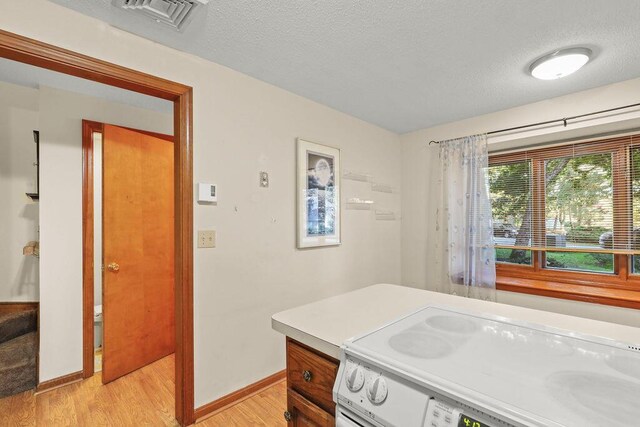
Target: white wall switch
<point x="264" y="179"/>
<point x="207" y="193"/>
<point x="206" y="238"/>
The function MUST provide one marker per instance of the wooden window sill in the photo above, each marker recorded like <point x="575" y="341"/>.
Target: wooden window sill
<point x="586" y="293"/>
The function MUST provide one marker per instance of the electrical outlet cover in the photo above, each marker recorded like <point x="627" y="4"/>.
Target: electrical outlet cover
<point x="206" y="239"/>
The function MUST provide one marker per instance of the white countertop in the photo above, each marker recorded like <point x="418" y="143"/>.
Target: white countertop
<point x="326" y="324"/>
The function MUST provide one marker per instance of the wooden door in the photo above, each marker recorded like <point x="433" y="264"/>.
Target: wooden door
<point x="138" y="250"/>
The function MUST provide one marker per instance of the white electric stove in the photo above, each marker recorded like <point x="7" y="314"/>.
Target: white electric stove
<point x="440" y="367"/>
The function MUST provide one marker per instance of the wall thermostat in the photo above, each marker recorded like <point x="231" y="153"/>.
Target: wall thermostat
<point x="207" y="193"/>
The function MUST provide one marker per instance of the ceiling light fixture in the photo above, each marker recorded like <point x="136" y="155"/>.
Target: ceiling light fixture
<point x="560" y="63"/>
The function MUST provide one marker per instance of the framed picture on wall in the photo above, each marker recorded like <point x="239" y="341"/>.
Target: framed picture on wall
<point x="318" y="195"/>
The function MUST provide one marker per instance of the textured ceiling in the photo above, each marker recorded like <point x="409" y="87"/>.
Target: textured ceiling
<point x="27" y="75"/>
<point x="404" y="64"/>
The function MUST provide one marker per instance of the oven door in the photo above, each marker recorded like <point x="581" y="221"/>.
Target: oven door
<point x="345" y="418"/>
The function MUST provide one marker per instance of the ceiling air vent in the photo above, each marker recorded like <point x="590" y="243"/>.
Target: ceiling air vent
<point x="174" y="13"/>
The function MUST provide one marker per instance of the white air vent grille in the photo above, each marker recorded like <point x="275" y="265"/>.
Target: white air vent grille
<point x="175" y="13"/>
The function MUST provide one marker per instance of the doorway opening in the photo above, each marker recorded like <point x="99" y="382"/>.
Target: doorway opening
<point x="32" y="52"/>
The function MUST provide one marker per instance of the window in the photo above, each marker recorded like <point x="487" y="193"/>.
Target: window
<point x="510" y="190"/>
<point x="567" y="220"/>
<point x="579" y="212"/>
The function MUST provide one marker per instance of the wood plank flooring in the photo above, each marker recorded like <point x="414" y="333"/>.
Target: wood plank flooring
<point x="264" y="409"/>
<point x="142" y="398"/>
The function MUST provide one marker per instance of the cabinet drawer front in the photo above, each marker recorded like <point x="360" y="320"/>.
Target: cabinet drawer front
<point x="311" y="375"/>
<point x="306" y="414"/>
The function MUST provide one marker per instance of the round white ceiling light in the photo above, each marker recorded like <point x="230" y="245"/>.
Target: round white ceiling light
<point x="560" y="63"/>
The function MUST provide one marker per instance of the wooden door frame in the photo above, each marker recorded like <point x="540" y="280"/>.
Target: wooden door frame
<point x="33" y="52"/>
<point x="88" y="249"/>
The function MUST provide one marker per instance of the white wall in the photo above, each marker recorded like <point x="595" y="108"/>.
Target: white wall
<point x="419" y="168"/>
<point x="18" y="214"/>
<point x="241" y="126"/>
<point x="61" y="115"/>
<point x="256" y="270"/>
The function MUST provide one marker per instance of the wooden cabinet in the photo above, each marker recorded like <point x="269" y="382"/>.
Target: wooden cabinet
<point x="310" y="379"/>
<point x="303" y="413"/>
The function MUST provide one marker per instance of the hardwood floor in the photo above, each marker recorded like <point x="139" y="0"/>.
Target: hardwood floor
<point x="142" y="398"/>
<point x="264" y="409"/>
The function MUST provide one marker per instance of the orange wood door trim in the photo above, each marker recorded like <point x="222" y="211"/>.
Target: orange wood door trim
<point x="212" y="408"/>
<point x="183" y="194"/>
<point x="39" y="54"/>
<point x="33" y="52"/>
<point x="88" y="128"/>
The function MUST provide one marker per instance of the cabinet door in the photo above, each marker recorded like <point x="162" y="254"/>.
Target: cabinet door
<point x="311" y="375"/>
<point x="303" y="413"/>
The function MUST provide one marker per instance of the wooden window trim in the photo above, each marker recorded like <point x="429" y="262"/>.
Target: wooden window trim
<point x="621" y="289"/>
<point x="586" y="293"/>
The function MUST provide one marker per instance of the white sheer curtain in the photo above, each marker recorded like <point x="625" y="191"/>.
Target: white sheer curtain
<point x="464" y="252"/>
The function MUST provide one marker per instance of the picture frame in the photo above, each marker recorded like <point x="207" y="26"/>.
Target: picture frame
<point x="318" y="195"/>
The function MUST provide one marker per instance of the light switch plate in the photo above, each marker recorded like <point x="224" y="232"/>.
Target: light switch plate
<point x="206" y="238"/>
<point x="264" y="179"/>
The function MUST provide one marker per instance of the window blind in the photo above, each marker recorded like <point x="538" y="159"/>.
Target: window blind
<point x="580" y="197"/>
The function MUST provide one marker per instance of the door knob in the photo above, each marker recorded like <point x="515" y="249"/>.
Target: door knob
<point x="114" y="266"/>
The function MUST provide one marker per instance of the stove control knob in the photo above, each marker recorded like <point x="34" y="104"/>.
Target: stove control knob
<point x="377" y="389"/>
<point x="354" y="377"/>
